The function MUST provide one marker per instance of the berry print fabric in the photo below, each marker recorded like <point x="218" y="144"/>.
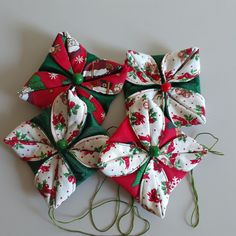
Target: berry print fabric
<point x="170" y="81"/>
<point x="151" y="158"/>
<point x="59" y="146"/>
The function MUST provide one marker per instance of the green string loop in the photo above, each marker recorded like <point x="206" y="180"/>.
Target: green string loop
<point x="130" y="209"/>
<point x="117" y="208"/>
<point x="213" y="145"/>
<point x="195" y="216"/>
<point x="117" y="219"/>
<point x="111" y="127"/>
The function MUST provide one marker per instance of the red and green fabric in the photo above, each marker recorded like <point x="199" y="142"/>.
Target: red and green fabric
<point x="69" y="65"/>
<point x="61" y="146"/>
<point x="171" y="81"/>
<point x="151" y="158"/>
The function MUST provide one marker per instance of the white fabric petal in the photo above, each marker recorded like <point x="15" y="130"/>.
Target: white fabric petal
<point x="87" y="150"/>
<point x="153" y="197"/>
<point x="68" y="115"/>
<point x="119" y="159"/>
<point x="182" y="153"/>
<point x="181" y="66"/>
<point x="30" y="142"/>
<point x="55" y="181"/>
<point x="146" y="117"/>
<point x="185" y="107"/>
<point x="143" y="69"/>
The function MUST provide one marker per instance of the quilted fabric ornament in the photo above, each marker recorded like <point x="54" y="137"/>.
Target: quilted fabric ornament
<point x="68" y="65"/>
<point x="151" y="158"/>
<point x="61" y="145"/>
<point x="171" y="81"/>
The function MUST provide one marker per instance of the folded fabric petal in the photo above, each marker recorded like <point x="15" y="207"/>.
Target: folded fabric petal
<point x="69" y="113"/>
<point x="121" y="159"/>
<point x="30" y="142"/>
<point x="182" y="153"/>
<point x="143" y="69"/>
<point x="69" y="65"/>
<point x="147" y="119"/>
<point x="185" y="107"/>
<point x="153" y="196"/>
<point x="181" y="66"/>
<point x="87" y="150"/>
<point x="150" y="171"/>
<point x="55" y="181"/>
<point x="60" y="152"/>
<point x="103" y="76"/>
<point x="174" y="77"/>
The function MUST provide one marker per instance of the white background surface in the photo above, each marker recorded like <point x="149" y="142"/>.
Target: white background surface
<point x="108" y="28"/>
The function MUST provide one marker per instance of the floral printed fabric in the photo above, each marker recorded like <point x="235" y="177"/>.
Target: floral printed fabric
<point x="151" y="158"/>
<point x="167" y="85"/>
<point x="69" y="66"/>
<point x="55" y="178"/>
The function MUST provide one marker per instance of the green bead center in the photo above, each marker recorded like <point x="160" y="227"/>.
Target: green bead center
<point x="62" y="144"/>
<point x="78" y="78"/>
<point x="154" y="151"/>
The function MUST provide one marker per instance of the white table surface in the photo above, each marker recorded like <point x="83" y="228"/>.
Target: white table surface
<point x="108" y="28"/>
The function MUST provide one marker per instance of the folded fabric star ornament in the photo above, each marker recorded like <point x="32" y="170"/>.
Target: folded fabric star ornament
<point x="68" y="65"/>
<point x="150" y="159"/>
<point x="61" y="145"/>
<point x="171" y="81"/>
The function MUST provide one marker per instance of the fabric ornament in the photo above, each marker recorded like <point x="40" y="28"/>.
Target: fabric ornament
<point x="68" y="65"/>
<point x="171" y="81"/>
<point x="151" y="158"/>
<point x="61" y="145"/>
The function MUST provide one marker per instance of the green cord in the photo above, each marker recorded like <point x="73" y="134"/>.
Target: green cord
<point x="195" y="216"/>
<point x="130" y="209"/>
<point x="213" y="145"/>
<point x="117" y="219"/>
<point x="111" y="127"/>
<point x="117" y="209"/>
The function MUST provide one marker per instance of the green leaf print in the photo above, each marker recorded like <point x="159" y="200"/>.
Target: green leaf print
<point x="177" y="164"/>
<point x="198" y="109"/>
<point x="35" y="83"/>
<point x="132" y="74"/>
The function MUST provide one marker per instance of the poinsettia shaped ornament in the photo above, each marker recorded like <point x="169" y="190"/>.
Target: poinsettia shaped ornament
<point x="171" y="81"/>
<point x="61" y="145"/>
<point x="151" y="158"/>
<point x="69" y="65"/>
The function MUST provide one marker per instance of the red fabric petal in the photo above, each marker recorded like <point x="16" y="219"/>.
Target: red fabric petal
<point x="78" y="59"/>
<point x="60" y="54"/>
<point x="105" y="76"/>
<point x="50" y="80"/>
<point x="45" y="98"/>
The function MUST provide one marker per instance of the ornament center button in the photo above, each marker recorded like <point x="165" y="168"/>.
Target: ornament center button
<point x="166" y="87"/>
<point x="154" y="151"/>
<point x="78" y="78"/>
<point x="62" y="144"/>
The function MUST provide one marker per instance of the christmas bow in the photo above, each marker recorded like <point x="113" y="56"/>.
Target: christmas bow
<point x="150" y="159"/>
<point x="58" y="152"/>
<point x="69" y="66"/>
<point x="173" y="84"/>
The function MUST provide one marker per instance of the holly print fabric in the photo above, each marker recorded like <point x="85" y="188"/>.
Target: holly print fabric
<point x="68" y="65"/>
<point x="61" y="146"/>
<point x="151" y="158"/>
<point x="170" y="81"/>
